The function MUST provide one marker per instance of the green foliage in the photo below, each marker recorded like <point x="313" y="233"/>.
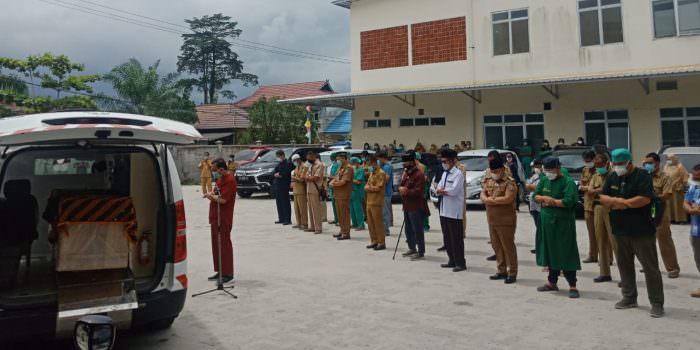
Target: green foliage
<point x="206" y="53"/>
<point x="150" y="94"/>
<point x="13" y="83"/>
<point x="273" y="122"/>
<point x="59" y="77"/>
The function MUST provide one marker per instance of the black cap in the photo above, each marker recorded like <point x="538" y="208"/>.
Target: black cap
<point x="496" y="163"/>
<point x="342" y="154"/>
<point x="408" y="157"/>
<point x="448" y="153"/>
<point x="551" y="163"/>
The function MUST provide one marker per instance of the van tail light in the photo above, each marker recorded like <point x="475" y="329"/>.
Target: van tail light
<point x="180" y="232"/>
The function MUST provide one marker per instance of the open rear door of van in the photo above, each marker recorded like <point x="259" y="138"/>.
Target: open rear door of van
<point x="94" y="127"/>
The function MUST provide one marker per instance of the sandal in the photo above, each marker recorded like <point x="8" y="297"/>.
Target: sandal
<point x="574" y="294"/>
<point x="547" y="287"/>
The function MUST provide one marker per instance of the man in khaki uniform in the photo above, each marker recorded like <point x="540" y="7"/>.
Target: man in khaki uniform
<point x="664" y="190"/>
<point x="205" y="167"/>
<point x="487" y="175"/>
<point x="299" y="190"/>
<point x="342" y="190"/>
<point x="498" y="195"/>
<point x="375" y="203"/>
<point x="601" y="213"/>
<point x="314" y="184"/>
<point x="586" y="175"/>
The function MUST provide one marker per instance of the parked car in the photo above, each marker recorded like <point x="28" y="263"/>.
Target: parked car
<point x="688" y="156"/>
<point x="250" y="155"/>
<point x="257" y="177"/>
<point x="429" y="159"/>
<point x="53" y="159"/>
<point x="476" y="162"/>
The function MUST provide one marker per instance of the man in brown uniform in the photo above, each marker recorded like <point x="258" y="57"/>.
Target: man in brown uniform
<point x="487" y="175"/>
<point x="603" y="231"/>
<point x="299" y="190"/>
<point x="586" y="175"/>
<point x="342" y="191"/>
<point x="314" y="184"/>
<point x="664" y="191"/>
<point x="498" y="195"/>
<point x="205" y="167"/>
<point x="375" y="203"/>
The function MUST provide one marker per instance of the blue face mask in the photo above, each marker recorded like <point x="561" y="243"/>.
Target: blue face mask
<point x="650" y="168"/>
<point x="602" y="170"/>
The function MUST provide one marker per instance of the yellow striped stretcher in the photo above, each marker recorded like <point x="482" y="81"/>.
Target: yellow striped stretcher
<point x="106" y="209"/>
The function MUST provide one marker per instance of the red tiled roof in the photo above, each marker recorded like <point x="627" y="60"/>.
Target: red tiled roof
<point x="296" y="90"/>
<point x="221" y="116"/>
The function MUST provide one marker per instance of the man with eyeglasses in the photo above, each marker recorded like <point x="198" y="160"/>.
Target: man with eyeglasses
<point x="628" y="191"/>
<point x="451" y="192"/>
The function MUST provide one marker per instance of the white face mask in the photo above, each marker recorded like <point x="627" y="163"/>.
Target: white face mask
<point x="620" y="170"/>
<point x="588" y="164"/>
<point x="551" y="176"/>
<point x="496" y="176"/>
<point x="538" y="171"/>
<point x="446" y="166"/>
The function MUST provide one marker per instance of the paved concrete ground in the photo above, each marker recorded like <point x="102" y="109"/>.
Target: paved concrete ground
<point x="300" y="291"/>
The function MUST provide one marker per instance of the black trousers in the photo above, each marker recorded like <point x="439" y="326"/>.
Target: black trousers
<point x="569" y="275"/>
<point x="284" y="206"/>
<point x="453" y="235"/>
<point x="415" y="235"/>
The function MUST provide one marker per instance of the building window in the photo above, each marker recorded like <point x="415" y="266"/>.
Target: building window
<point x="600" y="21"/>
<point x="509" y="131"/>
<point x="422" y="121"/>
<point x="377" y="123"/>
<point x="609" y="128"/>
<point x="667" y="85"/>
<point x="676" y="17"/>
<point x="510" y="32"/>
<point x="680" y="126"/>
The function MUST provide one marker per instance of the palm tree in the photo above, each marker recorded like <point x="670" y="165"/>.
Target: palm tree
<point x="148" y="93"/>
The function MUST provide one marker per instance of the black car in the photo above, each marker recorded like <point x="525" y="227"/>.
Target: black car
<point x="257" y="177"/>
<point x="429" y="159"/>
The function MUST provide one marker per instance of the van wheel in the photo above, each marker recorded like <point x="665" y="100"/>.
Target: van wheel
<point x="245" y="194"/>
<point x="160" y="324"/>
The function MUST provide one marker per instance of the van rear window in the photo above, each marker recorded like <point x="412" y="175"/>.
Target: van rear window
<point x="62" y="166"/>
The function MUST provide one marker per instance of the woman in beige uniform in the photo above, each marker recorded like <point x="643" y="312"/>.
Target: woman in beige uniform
<point x="679" y="177"/>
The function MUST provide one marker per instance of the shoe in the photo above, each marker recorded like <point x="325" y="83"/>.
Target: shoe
<point x="674" y="274"/>
<point x="491" y="258"/>
<point x="590" y="260"/>
<point x="601" y="279"/>
<point x="533" y="251"/>
<point x="317" y="232"/>
<point x="657" y="311"/>
<point x="214" y="277"/>
<point x="510" y="280"/>
<point x="226" y="279"/>
<point x="296" y="226"/>
<point x="343" y="238"/>
<point x="574" y="294"/>
<point x="695" y="293"/>
<point x="380" y="247"/>
<point x="278" y="222"/>
<point x="309" y="230"/>
<point x="459" y="268"/>
<point x="417" y="257"/>
<point x="336" y="236"/>
<point x="442" y="249"/>
<point x="409" y="253"/>
<point x="498" y="276"/>
<point x="626" y="303"/>
<point x="286" y="223"/>
<point x="451" y="266"/>
<point x="387" y="234"/>
<point x="547" y="287"/>
<point x="372" y="246"/>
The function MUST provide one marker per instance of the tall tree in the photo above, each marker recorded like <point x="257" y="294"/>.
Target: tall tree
<point x="149" y="93"/>
<point x="59" y="76"/>
<point x="206" y="53"/>
<point x="273" y="122"/>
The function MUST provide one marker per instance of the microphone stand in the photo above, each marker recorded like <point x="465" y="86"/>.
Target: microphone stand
<point x="219" y="283"/>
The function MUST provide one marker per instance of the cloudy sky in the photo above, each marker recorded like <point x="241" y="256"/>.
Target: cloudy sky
<point x="316" y="26"/>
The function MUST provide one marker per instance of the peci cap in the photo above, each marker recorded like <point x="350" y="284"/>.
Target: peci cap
<point x="408" y="157"/>
<point x="496" y="163"/>
<point x="621" y="155"/>
<point x="551" y="163"/>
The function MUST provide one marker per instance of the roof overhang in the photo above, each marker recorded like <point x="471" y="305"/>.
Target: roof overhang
<point x="343" y="3"/>
<point x="347" y="100"/>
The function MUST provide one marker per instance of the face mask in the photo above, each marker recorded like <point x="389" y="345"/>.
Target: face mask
<point x="669" y="162"/>
<point x="496" y="176"/>
<point x="602" y="170"/>
<point x="588" y="164"/>
<point x="216" y="175"/>
<point x="620" y="170"/>
<point x="337" y="162"/>
<point x="551" y="176"/>
<point x="409" y="167"/>
<point x="445" y="166"/>
<point x="538" y="171"/>
<point x="370" y="169"/>
<point x="650" y="168"/>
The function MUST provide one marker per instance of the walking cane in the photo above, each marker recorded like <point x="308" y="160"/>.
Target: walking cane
<point x="398" y="240"/>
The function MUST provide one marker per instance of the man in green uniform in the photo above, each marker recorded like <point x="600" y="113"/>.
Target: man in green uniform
<point x="358" y="194"/>
<point x="333" y="172"/>
<point x="629" y="193"/>
<point x="498" y="195"/>
<point x="557" y="248"/>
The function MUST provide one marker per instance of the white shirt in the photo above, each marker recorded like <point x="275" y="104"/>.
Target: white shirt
<point x="452" y="203"/>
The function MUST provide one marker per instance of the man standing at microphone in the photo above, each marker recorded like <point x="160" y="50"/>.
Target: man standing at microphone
<point x="222" y="201"/>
